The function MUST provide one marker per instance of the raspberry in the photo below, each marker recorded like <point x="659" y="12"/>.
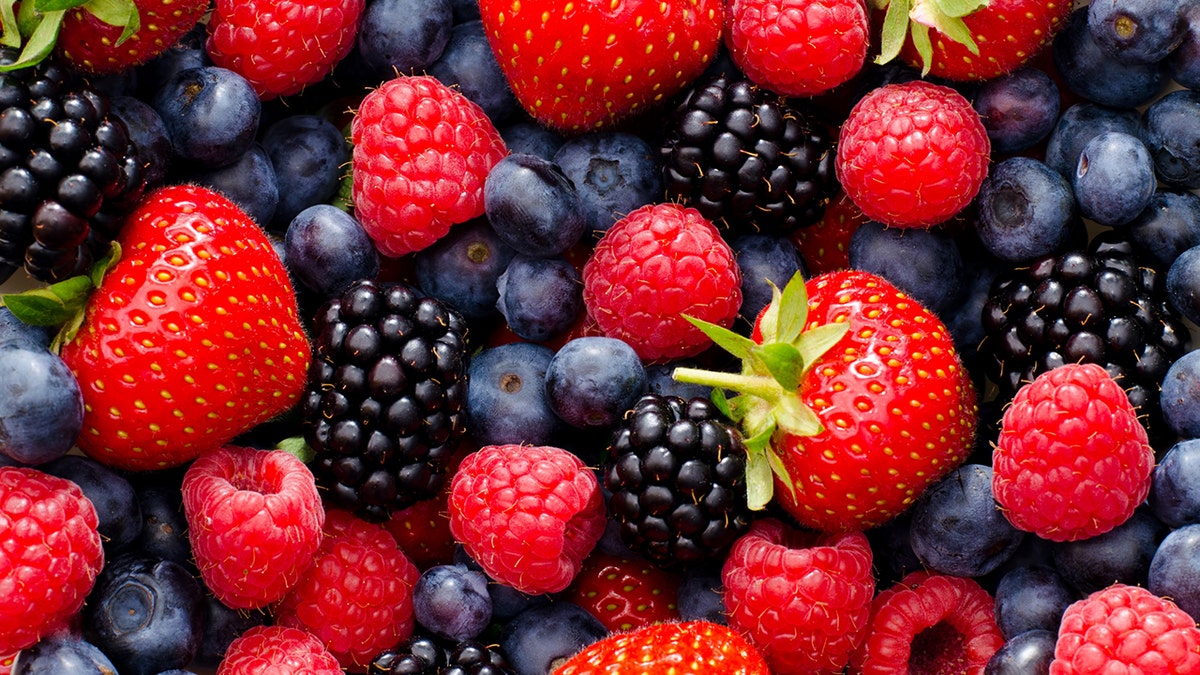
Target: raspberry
<point x="1126" y="629"/>
<point x="357" y="595"/>
<point x="528" y="515"/>
<point x="421" y="154"/>
<point x="277" y="650"/>
<point x="653" y="267"/>
<point x="929" y="623"/>
<point x="282" y="46"/>
<point x="802" y="598"/>
<point x="50" y="554"/>
<point x="254" y="520"/>
<point x="1072" y="460"/>
<point x="912" y="154"/>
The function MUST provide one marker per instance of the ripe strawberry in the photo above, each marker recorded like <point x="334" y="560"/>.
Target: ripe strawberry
<point x="625" y="593"/>
<point x="190" y="339"/>
<point x="264" y="650"/>
<point x="582" y="65"/>
<point x="912" y="154"/>
<point x="1072" y="460"/>
<point x="852" y="395"/>
<point x="664" y="648"/>
<point x="825" y="245"/>
<point x="282" y="46"/>
<point x="423" y="531"/>
<point x="798" y="47"/>
<point x="421" y="154"/>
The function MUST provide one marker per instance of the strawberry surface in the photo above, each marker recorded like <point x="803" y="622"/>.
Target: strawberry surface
<point x="666" y="648"/>
<point x="95" y="46"/>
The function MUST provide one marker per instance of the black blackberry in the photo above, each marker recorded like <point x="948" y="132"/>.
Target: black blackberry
<point x="69" y="171"/>
<point x="386" y="399"/>
<point x="677" y="473"/>
<point x="746" y="160"/>
<point x="427" y="656"/>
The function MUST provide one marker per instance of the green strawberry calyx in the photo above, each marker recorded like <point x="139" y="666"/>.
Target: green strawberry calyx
<point x="914" y="18"/>
<point x="767" y="390"/>
<point x="33" y="28"/>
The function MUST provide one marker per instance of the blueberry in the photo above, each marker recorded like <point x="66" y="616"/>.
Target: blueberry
<point x="540" y="636"/>
<point x="592" y="381"/>
<point x="925" y="263"/>
<point x="540" y="298"/>
<point x="187" y="52"/>
<point x="1180" y="397"/>
<point x="1031" y="597"/>
<point x="469" y="65"/>
<point x="452" y="601"/>
<point x="116" y="503"/>
<point x="506" y="402"/>
<point x="1124" y="553"/>
<point x="223" y="625"/>
<point x="463" y="268"/>
<point x="1018" y="110"/>
<point x="1172" y="134"/>
<point x="249" y="182"/>
<point x="1137" y="31"/>
<point x="764" y="259"/>
<point x="1026" y="210"/>
<point x="62" y="654"/>
<point x="149" y="135"/>
<point x="659" y="380"/>
<point x="1079" y="124"/>
<point x="211" y="115"/>
<point x="1114" y="178"/>
<point x="1175" y="486"/>
<point x="309" y="155"/>
<point x="163" y="527"/>
<point x="1175" y="569"/>
<point x="1029" y="653"/>
<point x="13" y="329"/>
<point x="1169" y="225"/>
<point x="327" y="250"/>
<point x="465" y="10"/>
<point x="615" y="172"/>
<point x="533" y="206"/>
<point x="403" y="36"/>
<point x="1184" y="63"/>
<point x="1090" y="72"/>
<point x="530" y="138"/>
<point x="1183" y="284"/>
<point x="41" y="407"/>
<point x="701" y="595"/>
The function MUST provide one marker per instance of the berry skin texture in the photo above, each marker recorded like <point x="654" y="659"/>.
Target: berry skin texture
<point x="1126" y="629"/>
<point x="625" y="593"/>
<point x="671" y="647"/>
<point x="1072" y="460"/>
<point x="798" y="47"/>
<point x="254" y="521"/>
<point x="282" y="46"/>
<point x="277" y="650"/>
<point x="529" y="515"/>
<point x="90" y="45"/>
<point x="50" y="554"/>
<point x="192" y="338"/>
<point x="654" y="266"/>
<point x="802" y="599"/>
<point x="422" y="152"/>
<point x="825" y="246"/>
<point x="912" y="154"/>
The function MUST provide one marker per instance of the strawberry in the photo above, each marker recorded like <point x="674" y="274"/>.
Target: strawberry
<point x="852" y="399"/>
<point x="422" y="531"/>
<point x="825" y="245"/>
<point x="625" y="593"/>
<point x="666" y="648"/>
<point x="582" y="65"/>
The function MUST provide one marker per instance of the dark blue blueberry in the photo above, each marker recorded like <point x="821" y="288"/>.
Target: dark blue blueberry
<point x="533" y="206"/>
<point x="615" y="172"/>
<point x="465" y="10"/>
<point x="507" y="601"/>
<point x="1171" y="131"/>
<point x="1031" y="597"/>
<point x="211" y="115"/>
<point x="1183" y="284"/>
<point x="592" y="381"/>
<point x="506" y="402"/>
<point x="956" y="527"/>
<point x="463" y="267"/>
<point x="1180" y="395"/>
<point x="187" y="52"/>
<point x="469" y="64"/>
<point x="146" y="614"/>
<point x="530" y="138"/>
<point x="403" y="36"/>
<point x="163" y="527"/>
<point x="223" y="625"/>
<point x="540" y="297"/>
<point x="538" y="637"/>
<point x="13" y="329"/>
<point x="660" y="380"/>
<point x="1090" y="72"/>
<point x="701" y="595"/>
<point x="964" y="319"/>
<point x="1029" y="653"/>
<point x="249" y="182"/>
<point x="925" y="263"/>
<point x="117" y="508"/>
<point x="1175" y="486"/>
<point x="764" y="258"/>
<point x="1168" y="226"/>
<point x="41" y="407"/>
<point x="309" y="155"/>
<point x="1137" y="31"/>
<point x="1026" y="210"/>
<point x="149" y="135"/>
<point x="1018" y="110"/>
<point x="327" y="250"/>
<point x="452" y="601"/>
<point x="893" y="554"/>
<point x="1079" y="124"/>
<point x="1114" y="179"/>
<point x="1184" y="63"/>
<point x="1123" y="553"/>
<point x="1175" y="569"/>
<point x="63" y="654"/>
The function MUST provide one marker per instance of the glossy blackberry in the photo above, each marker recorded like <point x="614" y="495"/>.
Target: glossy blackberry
<point x="69" y="171"/>
<point x="676" y="470"/>
<point x="427" y="656"/>
<point x="386" y="400"/>
<point x="747" y="161"/>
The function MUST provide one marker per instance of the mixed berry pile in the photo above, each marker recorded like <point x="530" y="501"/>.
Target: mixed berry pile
<point x="519" y="337"/>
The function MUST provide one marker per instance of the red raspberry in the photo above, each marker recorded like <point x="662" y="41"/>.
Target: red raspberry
<point x="825" y="245"/>
<point x="802" y="598"/>
<point x="1072" y="460"/>
<point x="277" y="650"/>
<point x="50" y="554"/>
<point x="912" y="154"/>
<point x="798" y="47"/>
<point x="654" y="266"/>
<point x="1126" y="629"/>
<point x="528" y="515"/>
<point x="282" y="46"/>
<point x="421" y="154"/>
<point x="929" y="623"/>
<point x="357" y="595"/>
<point x="254" y="520"/>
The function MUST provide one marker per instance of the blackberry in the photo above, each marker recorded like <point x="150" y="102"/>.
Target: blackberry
<point x="385" y="405"/>
<point x="428" y="656"/>
<point x="676" y="470"/>
<point x="746" y="160"/>
<point x="69" y="171"/>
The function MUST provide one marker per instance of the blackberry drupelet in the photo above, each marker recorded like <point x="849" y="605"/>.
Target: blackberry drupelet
<point x="386" y="400"/>
<point x="69" y="171"/>
<point x="422" y="655"/>
<point x="746" y="160"/>
<point x="677" y="473"/>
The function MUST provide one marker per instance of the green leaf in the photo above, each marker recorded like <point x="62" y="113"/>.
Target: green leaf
<point x="717" y="396"/>
<point x="818" y="340"/>
<point x="50" y="306"/>
<point x="298" y="447"/>
<point x="47" y="6"/>
<point x="960" y="8"/>
<point x="103" y="265"/>
<point x="793" y="310"/>
<point x="41" y="42"/>
<point x="783" y="362"/>
<point x="955" y="29"/>
<point x="781" y="471"/>
<point x="760" y="485"/>
<point x="795" y="418"/>
<point x="122" y="13"/>
<point x="11" y="37"/>
<point x="894" y="31"/>
<point x="920" y="38"/>
<point x="737" y="345"/>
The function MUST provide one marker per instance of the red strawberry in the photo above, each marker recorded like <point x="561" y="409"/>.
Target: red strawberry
<point x="852" y="395"/>
<point x="581" y="65"/>
<point x="278" y="650"/>
<point x="625" y="593"/>
<point x="667" y="648"/>
<point x="95" y="39"/>
<point x="282" y="46"/>
<point x="423" y="531"/>
<point x="421" y="154"/>
<point x="191" y="338"/>
<point x="825" y="245"/>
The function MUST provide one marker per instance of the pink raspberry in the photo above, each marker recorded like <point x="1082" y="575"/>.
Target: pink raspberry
<point x="254" y="520"/>
<point x="277" y="650"/>
<point x="528" y="515"/>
